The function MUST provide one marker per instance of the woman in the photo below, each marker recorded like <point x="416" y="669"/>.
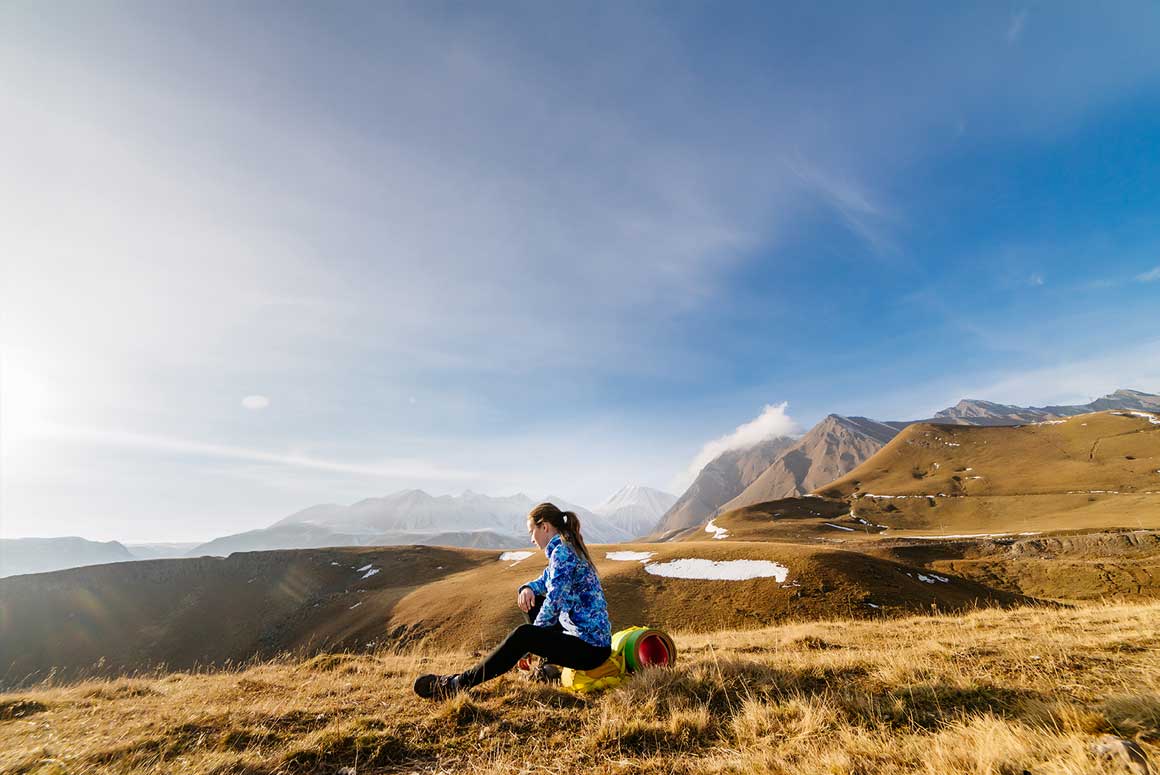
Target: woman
<point x="565" y="608"/>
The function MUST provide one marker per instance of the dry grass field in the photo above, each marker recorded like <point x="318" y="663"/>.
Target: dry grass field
<point x="1002" y="691"/>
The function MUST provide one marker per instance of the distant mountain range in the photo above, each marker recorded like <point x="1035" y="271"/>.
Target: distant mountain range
<point x="414" y="517"/>
<point x="775" y="468"/>
<point x="972" y="411"/>
<point x="42" y="555"/>
<point x="469" y="520"/>
<point x="836" y="446"/>
<point x="408" y="517"/>
<point x="160" y="551"/>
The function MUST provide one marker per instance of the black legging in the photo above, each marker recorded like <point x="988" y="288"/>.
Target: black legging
<point x="551" y="643"/>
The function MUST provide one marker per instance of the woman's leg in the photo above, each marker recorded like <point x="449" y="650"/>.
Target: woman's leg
<point x="552" y="644"/>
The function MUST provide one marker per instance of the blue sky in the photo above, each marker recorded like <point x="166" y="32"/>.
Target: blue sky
<point x="544" y="248"/>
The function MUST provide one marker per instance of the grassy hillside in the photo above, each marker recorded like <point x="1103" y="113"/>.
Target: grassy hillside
<point x="989" y="692"/>
<point x="184" y="613"/>
<point x="1123" y="564"/>
<point x="1091" y="471"/>
<point x="1108" y="451"/>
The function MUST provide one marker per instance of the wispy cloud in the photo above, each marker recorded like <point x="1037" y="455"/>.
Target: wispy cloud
<point x="1151" y="275"/>
<point x="851" y="201"/>
<point x="772" y="422"/>
<point x="1016" y="26"/>
<point x="391" y="468"/>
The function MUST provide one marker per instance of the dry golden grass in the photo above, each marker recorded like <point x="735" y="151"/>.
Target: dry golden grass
<point x="992" y="691"/>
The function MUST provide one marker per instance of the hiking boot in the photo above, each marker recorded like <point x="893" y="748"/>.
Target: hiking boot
<point x="436" y="687"/>
<point x="545" y="673"/>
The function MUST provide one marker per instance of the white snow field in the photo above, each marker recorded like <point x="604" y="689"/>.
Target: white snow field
<point x="718" y="532"/>
<point x="514" y="557"/>
<point x="1146" y="415"/>
<point x="718" y="570"/>
<point x="629" y="556"/>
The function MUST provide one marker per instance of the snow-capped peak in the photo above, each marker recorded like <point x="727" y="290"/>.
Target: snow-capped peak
<point x="634" y="495"/>
<point x="635" y="509"/>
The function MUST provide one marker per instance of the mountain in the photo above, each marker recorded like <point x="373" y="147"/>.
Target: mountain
<point x="160" y="551"/>
<point x="830" y="449"/>
<point x="411" y="517"/>
<point x="1096" y="470"/>
<point x="720" y="481"/>
<point x="279" y="536"/>
<point x="636" y="509"/>
<point x="308" y="536"/>
<point x="973" y="411"/>
<point x="837" y="444"/>
<point x="41" y="555"/>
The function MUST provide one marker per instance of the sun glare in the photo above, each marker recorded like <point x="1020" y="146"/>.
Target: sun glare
<point x="24" y="402"/>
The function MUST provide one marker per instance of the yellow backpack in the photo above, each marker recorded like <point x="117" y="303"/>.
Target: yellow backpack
<point x="632" y="649"/>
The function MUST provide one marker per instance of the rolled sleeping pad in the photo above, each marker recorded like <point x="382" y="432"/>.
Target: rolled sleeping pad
<point x="645" y="647"/>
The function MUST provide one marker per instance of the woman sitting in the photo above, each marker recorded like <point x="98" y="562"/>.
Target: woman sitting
<point x="565" y="608"/>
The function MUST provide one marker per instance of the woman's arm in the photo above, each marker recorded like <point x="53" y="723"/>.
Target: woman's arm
<point x="558" y="586"/>
<point x="540" y="585"/>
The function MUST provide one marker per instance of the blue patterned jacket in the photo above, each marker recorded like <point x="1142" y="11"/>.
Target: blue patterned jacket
<point x="572" y="595"/>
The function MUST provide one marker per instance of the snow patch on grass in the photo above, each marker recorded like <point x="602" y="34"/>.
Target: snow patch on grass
<point x="1146" y="415"/>
<point x="976" y="535"/>
<point x="629" y="556"/>
<point x="718" y="532"/>
<point x="719" y="570"/>
<point x="514" y="557"/>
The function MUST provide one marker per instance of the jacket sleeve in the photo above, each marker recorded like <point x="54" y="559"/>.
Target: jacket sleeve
<point x="540" y="585"/>
<point x="559" y="574"/>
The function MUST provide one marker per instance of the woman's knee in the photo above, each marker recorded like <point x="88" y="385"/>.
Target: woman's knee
<point x="524" y="632"/>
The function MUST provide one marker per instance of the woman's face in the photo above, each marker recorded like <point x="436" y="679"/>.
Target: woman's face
<point x="540" y="534"/>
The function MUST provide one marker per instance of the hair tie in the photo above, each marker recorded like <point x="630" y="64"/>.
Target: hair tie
<point x="565" y="518"/>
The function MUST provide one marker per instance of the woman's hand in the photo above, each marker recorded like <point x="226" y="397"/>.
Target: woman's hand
<point x="525" y="599"/>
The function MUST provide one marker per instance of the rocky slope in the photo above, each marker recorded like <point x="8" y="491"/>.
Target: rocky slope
<point x="829" y="450"/>
<point x="720" y="481"/>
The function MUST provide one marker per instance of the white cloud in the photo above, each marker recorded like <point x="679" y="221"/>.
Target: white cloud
<point x="1150" y="276"/>
<point x="256" y="402"/>
<point x="392" y="468"/>
<point x="1016" y="26"/>
<point x="773" y="421"/>
<point x="1036" y="279"/>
